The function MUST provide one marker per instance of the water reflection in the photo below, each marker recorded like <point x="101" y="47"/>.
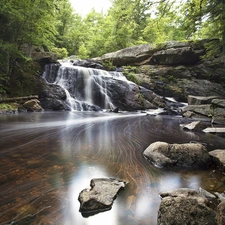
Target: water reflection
<point x="48" y="158"/>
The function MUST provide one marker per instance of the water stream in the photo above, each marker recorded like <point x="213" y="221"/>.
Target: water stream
<point x="84" y="86"/>
<point x="48" y="158"/>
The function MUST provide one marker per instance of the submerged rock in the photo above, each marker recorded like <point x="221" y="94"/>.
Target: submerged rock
<point x="191" y="155"/>
<point x="100" y="196"/>
<point x="185" y="206"/>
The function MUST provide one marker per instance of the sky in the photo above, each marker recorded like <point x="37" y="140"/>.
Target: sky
<point x="83" y="7"/>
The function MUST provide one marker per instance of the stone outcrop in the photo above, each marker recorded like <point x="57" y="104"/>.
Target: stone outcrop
<point x="218" y="156"/>
<point x="190" y="155"/>
<point x="206" y="78"/>
<point x="211" y="107"/>
<point x="185" y="206"/>
<point x="169" y="53"/>
<point x="100" y="196"/>
<point x="129" y="96"/>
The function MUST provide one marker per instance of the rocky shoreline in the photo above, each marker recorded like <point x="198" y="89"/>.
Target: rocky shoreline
<point x="187" y="206"/>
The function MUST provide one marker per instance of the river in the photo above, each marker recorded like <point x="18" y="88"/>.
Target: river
<point x="48" y="158"/>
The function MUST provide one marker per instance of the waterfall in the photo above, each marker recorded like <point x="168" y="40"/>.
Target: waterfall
<point x="85" y="87"/>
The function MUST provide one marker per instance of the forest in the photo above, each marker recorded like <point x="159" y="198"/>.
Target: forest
<point x="54" y="26"/>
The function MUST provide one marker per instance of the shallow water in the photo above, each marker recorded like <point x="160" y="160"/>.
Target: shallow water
<point x="48" y="158"/>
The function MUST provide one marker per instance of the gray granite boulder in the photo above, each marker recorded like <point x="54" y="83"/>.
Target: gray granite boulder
<point x="185" y="206"/>
<point x="100" y="196"/>
<point x="218" y="157"/>
<point x="191" y="155"/>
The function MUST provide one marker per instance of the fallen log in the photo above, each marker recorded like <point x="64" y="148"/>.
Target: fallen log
<point x="18" y="99"/>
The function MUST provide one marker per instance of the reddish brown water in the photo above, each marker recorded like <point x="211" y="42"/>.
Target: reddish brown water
<point x="48" y="158"/>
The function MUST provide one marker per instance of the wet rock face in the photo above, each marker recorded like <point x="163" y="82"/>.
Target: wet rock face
<point x="129" y="96"/>
<point x="185" y="206"/>
<point x="53" y="97"/>
<point x="100" y="196"/>
<point x="191" y="155"/>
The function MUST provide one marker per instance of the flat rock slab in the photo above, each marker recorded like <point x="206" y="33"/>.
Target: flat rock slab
<point x="218" y="157"/>
<point x="100" y="196"/>
<point x="204" y="110"/>
<point x="194" y="126"/>
<point x="214" y="130"/>
<point x="190" y="155"/>
<point x="200" y="100"/>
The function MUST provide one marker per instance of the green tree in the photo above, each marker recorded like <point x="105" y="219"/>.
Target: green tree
<point x="65" y="19"/>
<point x="130" y="19"/>
<point x="205" y="18"/>
<point x="29" y="22"/>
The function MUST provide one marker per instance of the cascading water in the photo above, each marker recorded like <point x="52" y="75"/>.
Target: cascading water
<point x="85" y="87"/>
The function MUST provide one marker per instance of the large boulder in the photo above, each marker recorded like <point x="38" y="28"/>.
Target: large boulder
<point x="185" y="206"/>
<point x="191" y="155"/>
<point x="100" y="196"/>
<point x="128" y="56"/>
<point x="218" y="156"/>
<point x="32" y="105"/>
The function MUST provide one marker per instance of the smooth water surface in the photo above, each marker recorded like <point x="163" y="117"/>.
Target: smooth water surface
<point x="48" y="158"/>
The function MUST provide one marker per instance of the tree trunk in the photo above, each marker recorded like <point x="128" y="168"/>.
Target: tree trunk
<point x="18" y="99"/>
